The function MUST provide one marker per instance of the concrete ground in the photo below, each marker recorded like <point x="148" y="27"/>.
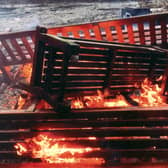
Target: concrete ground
<point x="20" y="16"/>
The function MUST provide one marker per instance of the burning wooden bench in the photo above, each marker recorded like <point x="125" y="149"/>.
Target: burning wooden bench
<point x="68" y="67"/>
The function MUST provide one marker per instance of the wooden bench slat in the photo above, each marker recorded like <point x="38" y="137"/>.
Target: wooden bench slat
<point x="9" y="50"/>
<point x="109" y="132"/>
<point x="27" y="46"/>
<point x="130" y="153"/>
<point x="112" y="144"/>
<point x="18" y="48"/>
<point x="74" y="123"/>
<point x="126" y="113"/>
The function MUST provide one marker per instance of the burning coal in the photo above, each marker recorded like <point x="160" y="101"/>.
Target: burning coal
<point x="50" y="149"/>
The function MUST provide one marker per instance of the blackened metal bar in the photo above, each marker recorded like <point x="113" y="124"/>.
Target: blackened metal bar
<point x="111" y="58"/>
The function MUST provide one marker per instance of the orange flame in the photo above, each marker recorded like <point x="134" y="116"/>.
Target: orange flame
<point x="150" y="94"/>
<point x="21" y="149"/>
<point x="21" y="102"/>
<point x="98" y="101"/>
<point x="48" y="149"/>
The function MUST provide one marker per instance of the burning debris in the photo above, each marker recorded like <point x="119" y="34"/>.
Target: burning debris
<point x="145" y="94"/>
<point x="98" y="101"/>
<point x="11" y="96"/>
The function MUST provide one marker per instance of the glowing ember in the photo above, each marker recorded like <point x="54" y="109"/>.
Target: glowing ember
<point x="119" y="101"/>
<point x="98" y="101"/>
<point x="150" y="94"/>
<point x="21" y="149"/>
<point x="50" y="150"/>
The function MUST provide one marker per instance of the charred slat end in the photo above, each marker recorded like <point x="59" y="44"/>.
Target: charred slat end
<point x="40" y="29"/>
